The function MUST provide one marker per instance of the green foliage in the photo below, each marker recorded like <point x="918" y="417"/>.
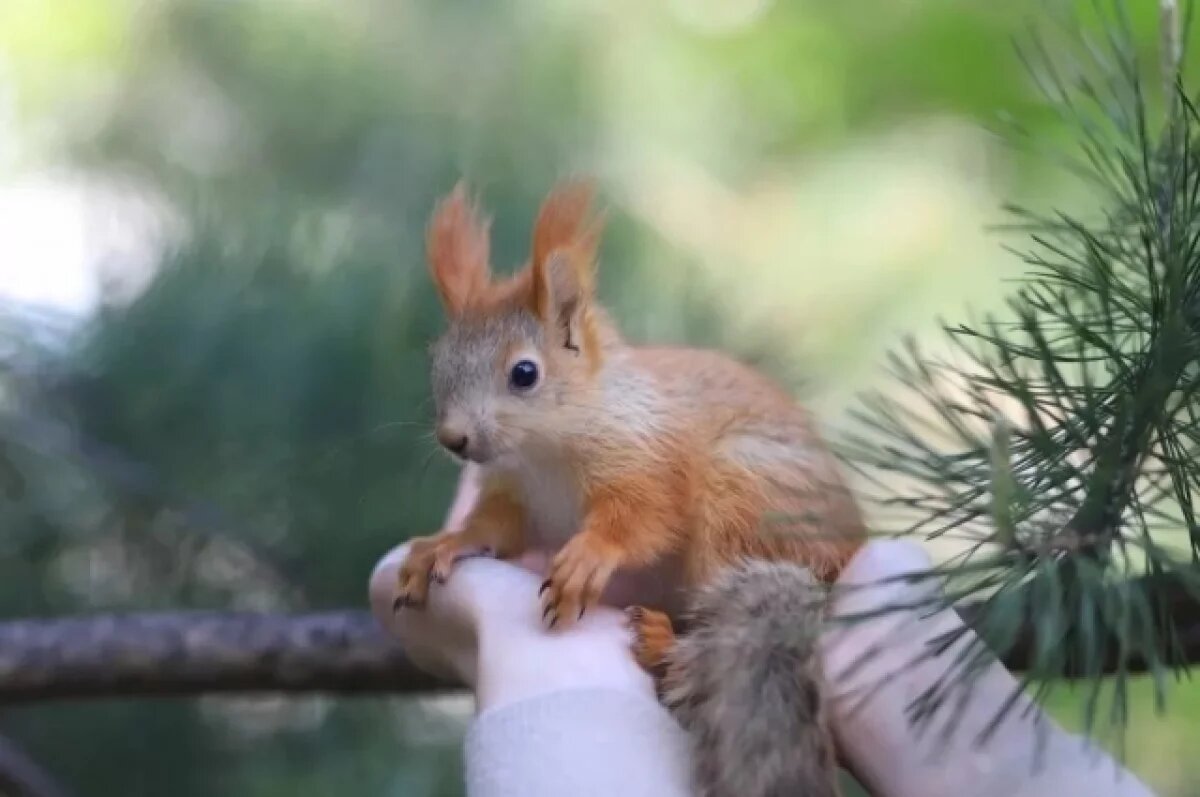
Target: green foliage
<point x="251" y="429"/>
<point x="1067" y="511"/>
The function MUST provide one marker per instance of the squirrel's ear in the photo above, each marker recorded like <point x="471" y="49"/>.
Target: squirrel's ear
<point x="565" y="220"/>
<point x="561" y="288"/>
<point x="566" y="238"/>
<point x="457" y="242"/>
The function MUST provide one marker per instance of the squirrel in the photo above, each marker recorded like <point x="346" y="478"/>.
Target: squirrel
<point x="666" y="460"/>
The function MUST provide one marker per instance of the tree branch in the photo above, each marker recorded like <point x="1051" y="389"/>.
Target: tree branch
<point x="1179" y="609"/>
<point x="192" y="653"/>
<point x="1171" y="49"/>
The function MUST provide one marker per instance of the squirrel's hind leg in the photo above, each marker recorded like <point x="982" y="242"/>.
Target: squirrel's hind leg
<point x="653" y="641"/>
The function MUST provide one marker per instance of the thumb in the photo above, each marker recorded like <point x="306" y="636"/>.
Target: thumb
<point x="440" y="637"/>
<point x="877" y="667"/>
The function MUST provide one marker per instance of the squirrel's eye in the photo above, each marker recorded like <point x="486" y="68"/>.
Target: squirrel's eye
<point x="524" y="375"/>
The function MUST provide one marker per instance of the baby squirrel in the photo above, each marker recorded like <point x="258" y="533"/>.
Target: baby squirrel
<point x="679" y="462"/>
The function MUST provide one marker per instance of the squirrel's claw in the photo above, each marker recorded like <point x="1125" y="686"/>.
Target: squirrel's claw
<point x="578" y="575"/>
<point x="432" y="559"/>
<point x="406" y="601"/>
<point x="429" y="558"/>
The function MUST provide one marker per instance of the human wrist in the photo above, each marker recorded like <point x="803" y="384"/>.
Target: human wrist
<point x="579" y="740"/>
<point x="878" y="667"/>
<point x="522" y="661"/>
<point x="949" y="752"/>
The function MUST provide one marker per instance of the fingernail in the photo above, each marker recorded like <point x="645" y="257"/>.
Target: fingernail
<point x="545" y="586"/>
<point x="547" y="611"/>
<point x="398" y="604"/>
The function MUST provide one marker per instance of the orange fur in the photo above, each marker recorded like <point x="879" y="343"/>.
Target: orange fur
<point x="458" y="245"/>
<point x="654" y="638"/>
<point x="494" y="527"/>
<point x="655" y="451"/>
<point x="565" y="220"/>
<point x="566" y="237"/>
<point x="629" y="521"/>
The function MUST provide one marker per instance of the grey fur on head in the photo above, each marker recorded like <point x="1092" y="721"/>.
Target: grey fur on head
<point x="466" y="358"/>
<point x="745" y="682"/>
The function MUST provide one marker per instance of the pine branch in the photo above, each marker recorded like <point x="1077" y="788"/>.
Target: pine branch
<point x="1170" y="48"/>
<point x="1060" y="440"/>
<point x="1180" y="614"/>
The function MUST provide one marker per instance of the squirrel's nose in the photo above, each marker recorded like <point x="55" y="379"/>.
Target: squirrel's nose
<point x="453" y="439"/>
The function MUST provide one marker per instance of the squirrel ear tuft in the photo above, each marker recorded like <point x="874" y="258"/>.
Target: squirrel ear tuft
<point x="565" y="220"/>
<point x="457" y="242"/>
<point x="566" y="238"/>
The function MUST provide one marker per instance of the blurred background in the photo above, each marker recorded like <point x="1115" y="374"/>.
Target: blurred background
<point x="214" y="308"/>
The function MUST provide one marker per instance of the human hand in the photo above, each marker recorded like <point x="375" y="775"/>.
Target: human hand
<point x="876" y="667"/>
<point x="483" y="627"/>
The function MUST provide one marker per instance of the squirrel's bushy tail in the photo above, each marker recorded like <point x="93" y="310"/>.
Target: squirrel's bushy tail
<point x="745" y="682"/>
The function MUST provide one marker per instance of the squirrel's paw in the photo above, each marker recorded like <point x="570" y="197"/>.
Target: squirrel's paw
<point x="653" y="637"/>
<point x="578" y="575"/>
<point x="430" y="558"/>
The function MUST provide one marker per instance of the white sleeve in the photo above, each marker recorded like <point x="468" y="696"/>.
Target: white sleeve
<point x="585" y="742"/>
